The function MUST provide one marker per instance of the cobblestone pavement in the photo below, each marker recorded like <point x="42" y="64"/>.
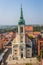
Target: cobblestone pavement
<point x="22" y="61"/>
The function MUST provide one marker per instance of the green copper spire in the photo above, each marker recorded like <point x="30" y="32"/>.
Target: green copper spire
<point x="21" y="14"/>
<point x="21" y="21"/>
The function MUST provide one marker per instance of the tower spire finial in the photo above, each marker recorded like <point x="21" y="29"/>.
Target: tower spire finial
<point x="21" y="5"/>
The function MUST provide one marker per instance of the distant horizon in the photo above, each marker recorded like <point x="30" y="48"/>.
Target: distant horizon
<point x="10" y="12"/>
<point x="17" y="24"/>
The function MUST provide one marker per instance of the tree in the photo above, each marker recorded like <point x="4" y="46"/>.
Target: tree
<point x="28" y="63"/>
<point x="40" y="56"/>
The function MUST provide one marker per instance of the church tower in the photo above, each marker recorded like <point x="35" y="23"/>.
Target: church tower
<point x="21" y="45"/>
<point x="21" y="33"/>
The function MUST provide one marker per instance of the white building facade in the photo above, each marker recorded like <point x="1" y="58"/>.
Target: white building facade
<point x="21" y="45"/>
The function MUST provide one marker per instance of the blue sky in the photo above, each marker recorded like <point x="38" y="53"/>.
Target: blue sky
<point x="10" y="11"/>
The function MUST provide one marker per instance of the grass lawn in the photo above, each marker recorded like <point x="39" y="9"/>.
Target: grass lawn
<point x="28" y="64"/>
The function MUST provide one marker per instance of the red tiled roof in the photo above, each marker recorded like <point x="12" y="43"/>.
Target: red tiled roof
<point x="11" y="33"/>
<point x="29" y="28"/>
<point x="1" y="44"/>
<point x="36" y="33"/>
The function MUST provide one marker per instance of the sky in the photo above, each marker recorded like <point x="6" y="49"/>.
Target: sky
<point x="10" y="11"/>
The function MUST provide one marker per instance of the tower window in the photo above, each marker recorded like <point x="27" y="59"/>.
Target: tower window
<point x="21" y="49"/>
<point x="21" y="38"/>
<point x="21" y="55"/>
<point x="21" y="29"/>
